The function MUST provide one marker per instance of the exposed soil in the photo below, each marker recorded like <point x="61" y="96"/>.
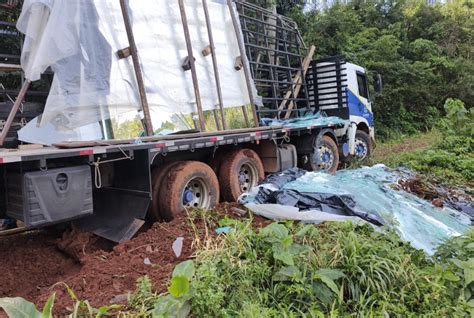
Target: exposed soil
<point x="30" y="264"/>
<point x="33" y="263"/>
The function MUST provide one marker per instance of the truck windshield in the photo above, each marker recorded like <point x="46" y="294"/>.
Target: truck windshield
<point x="362" y="82"/>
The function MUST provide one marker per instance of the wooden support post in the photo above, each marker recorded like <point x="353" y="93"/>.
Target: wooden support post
<point x="189" y="47"/>
<point x="14" y="110"/>
<point x="297" y="82"/>
<point x="138" y="72"/>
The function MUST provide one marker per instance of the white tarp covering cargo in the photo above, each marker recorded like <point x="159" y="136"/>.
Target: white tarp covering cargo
<point x="79" y="39"/>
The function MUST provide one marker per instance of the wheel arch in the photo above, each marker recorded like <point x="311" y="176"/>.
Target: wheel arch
<point x="363" y="127"/>
<point x="327" y="132"/>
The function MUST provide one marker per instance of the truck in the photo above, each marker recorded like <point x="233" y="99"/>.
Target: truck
<point x="310" y="113"/>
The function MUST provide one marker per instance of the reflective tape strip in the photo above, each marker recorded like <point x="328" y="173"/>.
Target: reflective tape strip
<point x="217" y="138"/>
<point x="99" y="150"/>
<point x="164" y="144"/>
<point x="86" y="152"/>
<point x="10" y="159"/>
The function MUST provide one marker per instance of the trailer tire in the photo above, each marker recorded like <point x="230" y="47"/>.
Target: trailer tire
<point x="191" y="184"/>
<point x="157" y="176"/>
<point x="329" y="157"/>
<point x="239" y="172"/>
<point x="363" y="145"/>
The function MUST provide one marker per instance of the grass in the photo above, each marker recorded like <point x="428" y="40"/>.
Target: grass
<point x="388" y="152"/>
<point x="447" y="159"/>
<point x="331" y="270"/>
<point x="446" y="154"/>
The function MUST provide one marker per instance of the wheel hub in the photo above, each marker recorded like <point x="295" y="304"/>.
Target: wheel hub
<point x="248" y="177"/>
<point x="326" y="157"/>
<point x="196" y="194"/>
<point x="361" y="149"/>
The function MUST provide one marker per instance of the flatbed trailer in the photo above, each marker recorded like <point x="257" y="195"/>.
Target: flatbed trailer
<point x="121" y="174"/>
<point x="110" y="187"/>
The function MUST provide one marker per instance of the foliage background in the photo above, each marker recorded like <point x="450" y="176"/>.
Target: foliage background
<point x="424" y="52"/>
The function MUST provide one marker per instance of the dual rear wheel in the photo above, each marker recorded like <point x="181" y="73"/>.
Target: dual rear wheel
<point x="180" y="185"/>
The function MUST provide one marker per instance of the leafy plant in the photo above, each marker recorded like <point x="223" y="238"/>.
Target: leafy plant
<point x="82" y="308"/>
<point x="20" y="308"/>
<point x="336" y="269"/>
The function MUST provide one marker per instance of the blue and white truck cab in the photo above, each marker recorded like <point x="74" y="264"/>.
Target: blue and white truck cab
<point x="341" y="89"/>
<point x="360" y="112"/>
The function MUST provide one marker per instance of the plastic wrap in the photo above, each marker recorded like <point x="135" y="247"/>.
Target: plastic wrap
<point x="79" y="40"/>
<point x="372" y="191"/>
<point x="318" y="119"/>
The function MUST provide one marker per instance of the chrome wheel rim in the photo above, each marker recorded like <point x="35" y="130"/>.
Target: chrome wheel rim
<point x="248" y="177"/>
<point x="196" y="194"/>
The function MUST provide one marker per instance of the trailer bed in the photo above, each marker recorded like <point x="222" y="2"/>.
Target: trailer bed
<point x="162" y="144"/>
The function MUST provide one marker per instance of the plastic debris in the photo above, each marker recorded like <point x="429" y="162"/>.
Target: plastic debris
<point x="147" y="261"/>
<point x="178" y="246"/>
<point x="370" y="193"/>
<point x="223" y="230"/>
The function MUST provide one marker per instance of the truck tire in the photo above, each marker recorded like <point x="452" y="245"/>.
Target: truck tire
<point x="363" y="146"/>
<point x="157" y="176"/>
<point x="190" y="184"/>
<point x="239" y="172"/>
<point x="329" y="157"/>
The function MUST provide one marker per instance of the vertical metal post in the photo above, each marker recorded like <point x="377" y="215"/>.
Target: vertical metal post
<point x="189" y="47"/>
<point x="245" y="62"/>
<point x="216" y="119"/>
<point x="16" y="106"/>
<point x="214" y="62"/>
<point x="138" y="72"/>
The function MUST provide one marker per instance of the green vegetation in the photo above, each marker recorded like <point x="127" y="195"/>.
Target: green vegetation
<point x="424" y="53"/>
<point x="294" y="270"/>
<point x="20" y="308"/>
<point x="449" y="156"/>
<point x="297" y="270"/>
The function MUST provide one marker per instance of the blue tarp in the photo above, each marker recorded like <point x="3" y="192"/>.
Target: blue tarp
<point x="318" y="119"/>
<point x="373" y="191"/>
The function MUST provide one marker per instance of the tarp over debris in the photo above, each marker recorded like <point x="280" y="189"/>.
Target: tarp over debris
<point x="368" y="193"/>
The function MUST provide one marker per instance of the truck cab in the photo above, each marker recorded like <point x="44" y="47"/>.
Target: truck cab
<point x="360" y="111"/>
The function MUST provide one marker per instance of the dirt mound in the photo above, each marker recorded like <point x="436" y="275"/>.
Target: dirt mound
<point x="105" y="275"/>
<point x="30" y="264"/>
<point x="96" y="270"/>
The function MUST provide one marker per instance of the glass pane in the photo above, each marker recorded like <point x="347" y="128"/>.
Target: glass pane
<point x="362" y="82"/>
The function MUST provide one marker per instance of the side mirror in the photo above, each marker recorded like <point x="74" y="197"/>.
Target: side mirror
<point x="377" y="82"/>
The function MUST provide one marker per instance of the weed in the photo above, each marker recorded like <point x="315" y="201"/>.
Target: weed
<point x="296" y="270"/>
<point x="446" y="155"/>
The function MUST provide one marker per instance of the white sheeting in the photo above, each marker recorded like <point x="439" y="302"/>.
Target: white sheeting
<point x="79" y="40"/>
<point x="283" y="213"/>
<point x="48" y="135"/>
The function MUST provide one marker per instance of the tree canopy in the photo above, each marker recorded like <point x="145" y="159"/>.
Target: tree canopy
<point x="425" y="53"/>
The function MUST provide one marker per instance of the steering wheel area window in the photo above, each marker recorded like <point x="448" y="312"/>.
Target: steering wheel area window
<point x="362" y="83"/>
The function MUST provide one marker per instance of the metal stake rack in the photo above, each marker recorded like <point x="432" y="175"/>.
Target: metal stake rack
<point x="327" y="86"/>
<point x="276" y="53"/>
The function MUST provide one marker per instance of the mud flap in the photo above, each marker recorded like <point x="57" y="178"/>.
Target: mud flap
<point x="121" y="203"/>
<point x="118" y="214"/>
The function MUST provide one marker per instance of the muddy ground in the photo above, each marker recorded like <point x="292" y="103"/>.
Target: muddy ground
<point x="34" y="263"/>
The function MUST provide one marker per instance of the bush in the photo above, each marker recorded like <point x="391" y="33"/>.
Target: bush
<point x="336" y="269"/>
<point x="451" y="159"/>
